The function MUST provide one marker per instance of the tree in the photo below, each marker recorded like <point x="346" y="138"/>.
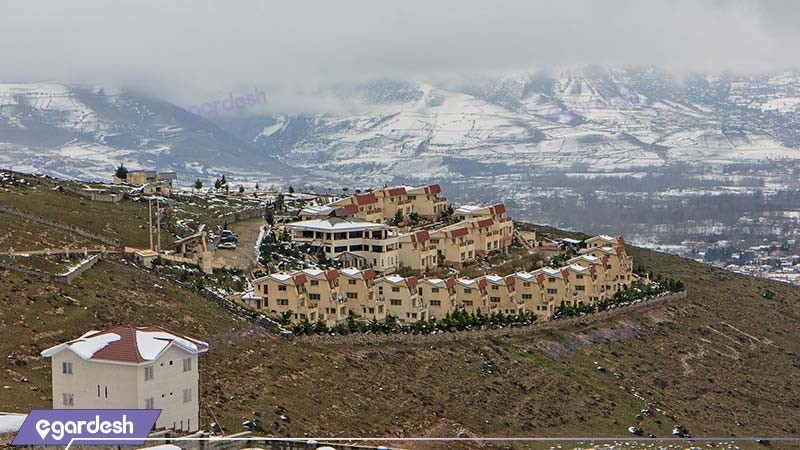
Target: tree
<point x="397" y="219"/>
<point x="241" y="189"/>
<point x="256" y="185"/>
<point x="122" y="172"/>
<point x="217" y="184"/>
<point x="269" y="217"/>
<point x="280" y="204"/>
<point x="291" y="189"/>
<point x="198" y="184"/>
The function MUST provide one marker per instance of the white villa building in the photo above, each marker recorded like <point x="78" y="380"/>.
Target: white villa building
<point x="129" y="367"/>
<point x="352" y="241"/>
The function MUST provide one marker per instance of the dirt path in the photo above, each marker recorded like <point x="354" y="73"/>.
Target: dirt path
<point x="244" y="256"/>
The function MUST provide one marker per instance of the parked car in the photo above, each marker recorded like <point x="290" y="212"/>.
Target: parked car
<point x="229" y="239"/>
<point x="226" y="246"/>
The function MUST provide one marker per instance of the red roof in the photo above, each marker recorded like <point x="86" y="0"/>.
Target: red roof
<point x="331" y="274"/>
<point x="498" y="209"/>
<point x="510" y="280"/>
<point x="351" y="209"/>
<point x="483" y="223"/>
<point x="364" y="199"/>
<point x="435" y="189"/>
<point x="396" y="191"/>
<point x="420" y="236"/>
<point x="565" y="273"/>
<point x="458" y="232"/>
<point x="620" y="239"/>
<point x="368" y="274"/>
<point x="299" y="279"/>
<point x="126" y="348"/>
<point x="540" y="278"/>
<point x="411" y="281"/>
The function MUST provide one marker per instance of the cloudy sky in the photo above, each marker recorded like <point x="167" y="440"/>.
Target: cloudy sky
<point x="196" y="49"/>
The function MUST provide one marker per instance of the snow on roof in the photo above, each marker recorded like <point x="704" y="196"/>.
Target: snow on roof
<point x="494" y="278"/>
<point x="396" y="279"/>
<point x="469" y="209"/>
<point x="350" y="271"/>
<point x="317" y="210"/>
<point x="314" y="272"/>
<point x="127" y="344"/>
<point x="524" y="275"/>
<point x="336" y="224"/>
<point x="281" y="276"/>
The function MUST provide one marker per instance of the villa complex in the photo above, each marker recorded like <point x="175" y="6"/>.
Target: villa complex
<point x="376" y="230"/>
<point x="601" y="269"/>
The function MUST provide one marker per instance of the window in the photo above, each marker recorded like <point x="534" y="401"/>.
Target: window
<point x="436" y="303"/>
<point x="467" y="302"/>
<point x="551" y="280"/>
<point x="494" y="299"/>
<point x="495" y="287"/>
<point x="315" y="282"/>
<point x="396" y="302"/>
<point x="149" y="403"/>
<point x="395" y="289"/>
<point x="283" y="302"/>
<point x="552" y="291"/>
<point x="467" y="290"/>
<point x="66" y="367"/>
<point x="351" y="281"/>
<point x="352" y="295"/>
<point x="187" y="395"/>
<point x="68" y="399"/>
<point x="281" y="288"/>
<point x="148" y="373"/>
<point x="314" y="296"/>
<point x="187" y="364"/>
<point x="527" y="296"/>
<point x="434" y="290"/>
<point x="580" y="288"/>
<point x="526" y="284"/>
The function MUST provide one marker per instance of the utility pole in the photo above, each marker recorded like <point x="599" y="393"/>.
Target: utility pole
<point x="158" y="226"/>
<point x="150" y="219"/>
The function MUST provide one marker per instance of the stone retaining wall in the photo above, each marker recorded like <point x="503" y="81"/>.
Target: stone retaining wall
<point x="373" y="339"/>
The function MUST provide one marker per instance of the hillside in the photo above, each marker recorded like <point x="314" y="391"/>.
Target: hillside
<point x="722" y="362"/>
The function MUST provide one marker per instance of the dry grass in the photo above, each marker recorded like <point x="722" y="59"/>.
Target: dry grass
<point x="723" y="362"/>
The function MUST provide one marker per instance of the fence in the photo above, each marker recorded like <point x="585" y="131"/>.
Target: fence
<point x="238" y="216"/>
<point x="372" y="339"/>
<point x="63" y="226"/>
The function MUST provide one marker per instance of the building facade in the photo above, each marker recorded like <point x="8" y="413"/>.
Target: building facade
<point x="129" y="367"/>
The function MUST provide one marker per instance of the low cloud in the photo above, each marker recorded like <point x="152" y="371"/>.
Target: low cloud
<point x="198" y="51"/>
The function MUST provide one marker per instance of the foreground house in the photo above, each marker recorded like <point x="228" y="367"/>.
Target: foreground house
<point x="129" y="367"/>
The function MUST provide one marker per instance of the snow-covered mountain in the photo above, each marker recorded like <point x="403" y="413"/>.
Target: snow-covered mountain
<point x="85" y="133"/>
<point x="590" y="120"/>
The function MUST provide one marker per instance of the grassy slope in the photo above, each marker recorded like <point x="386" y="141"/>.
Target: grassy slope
<point x="125" y="220"/>
<point x="724" y="355"/>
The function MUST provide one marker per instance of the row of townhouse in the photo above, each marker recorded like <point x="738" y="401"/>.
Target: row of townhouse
<point x="332" y="295"/>
<point x="382" y="205"/>
<point x="361" y="243"/>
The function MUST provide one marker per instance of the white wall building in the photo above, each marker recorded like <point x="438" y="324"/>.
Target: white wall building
<point x="352" y="241"/>
<point x="130" y="367"/>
